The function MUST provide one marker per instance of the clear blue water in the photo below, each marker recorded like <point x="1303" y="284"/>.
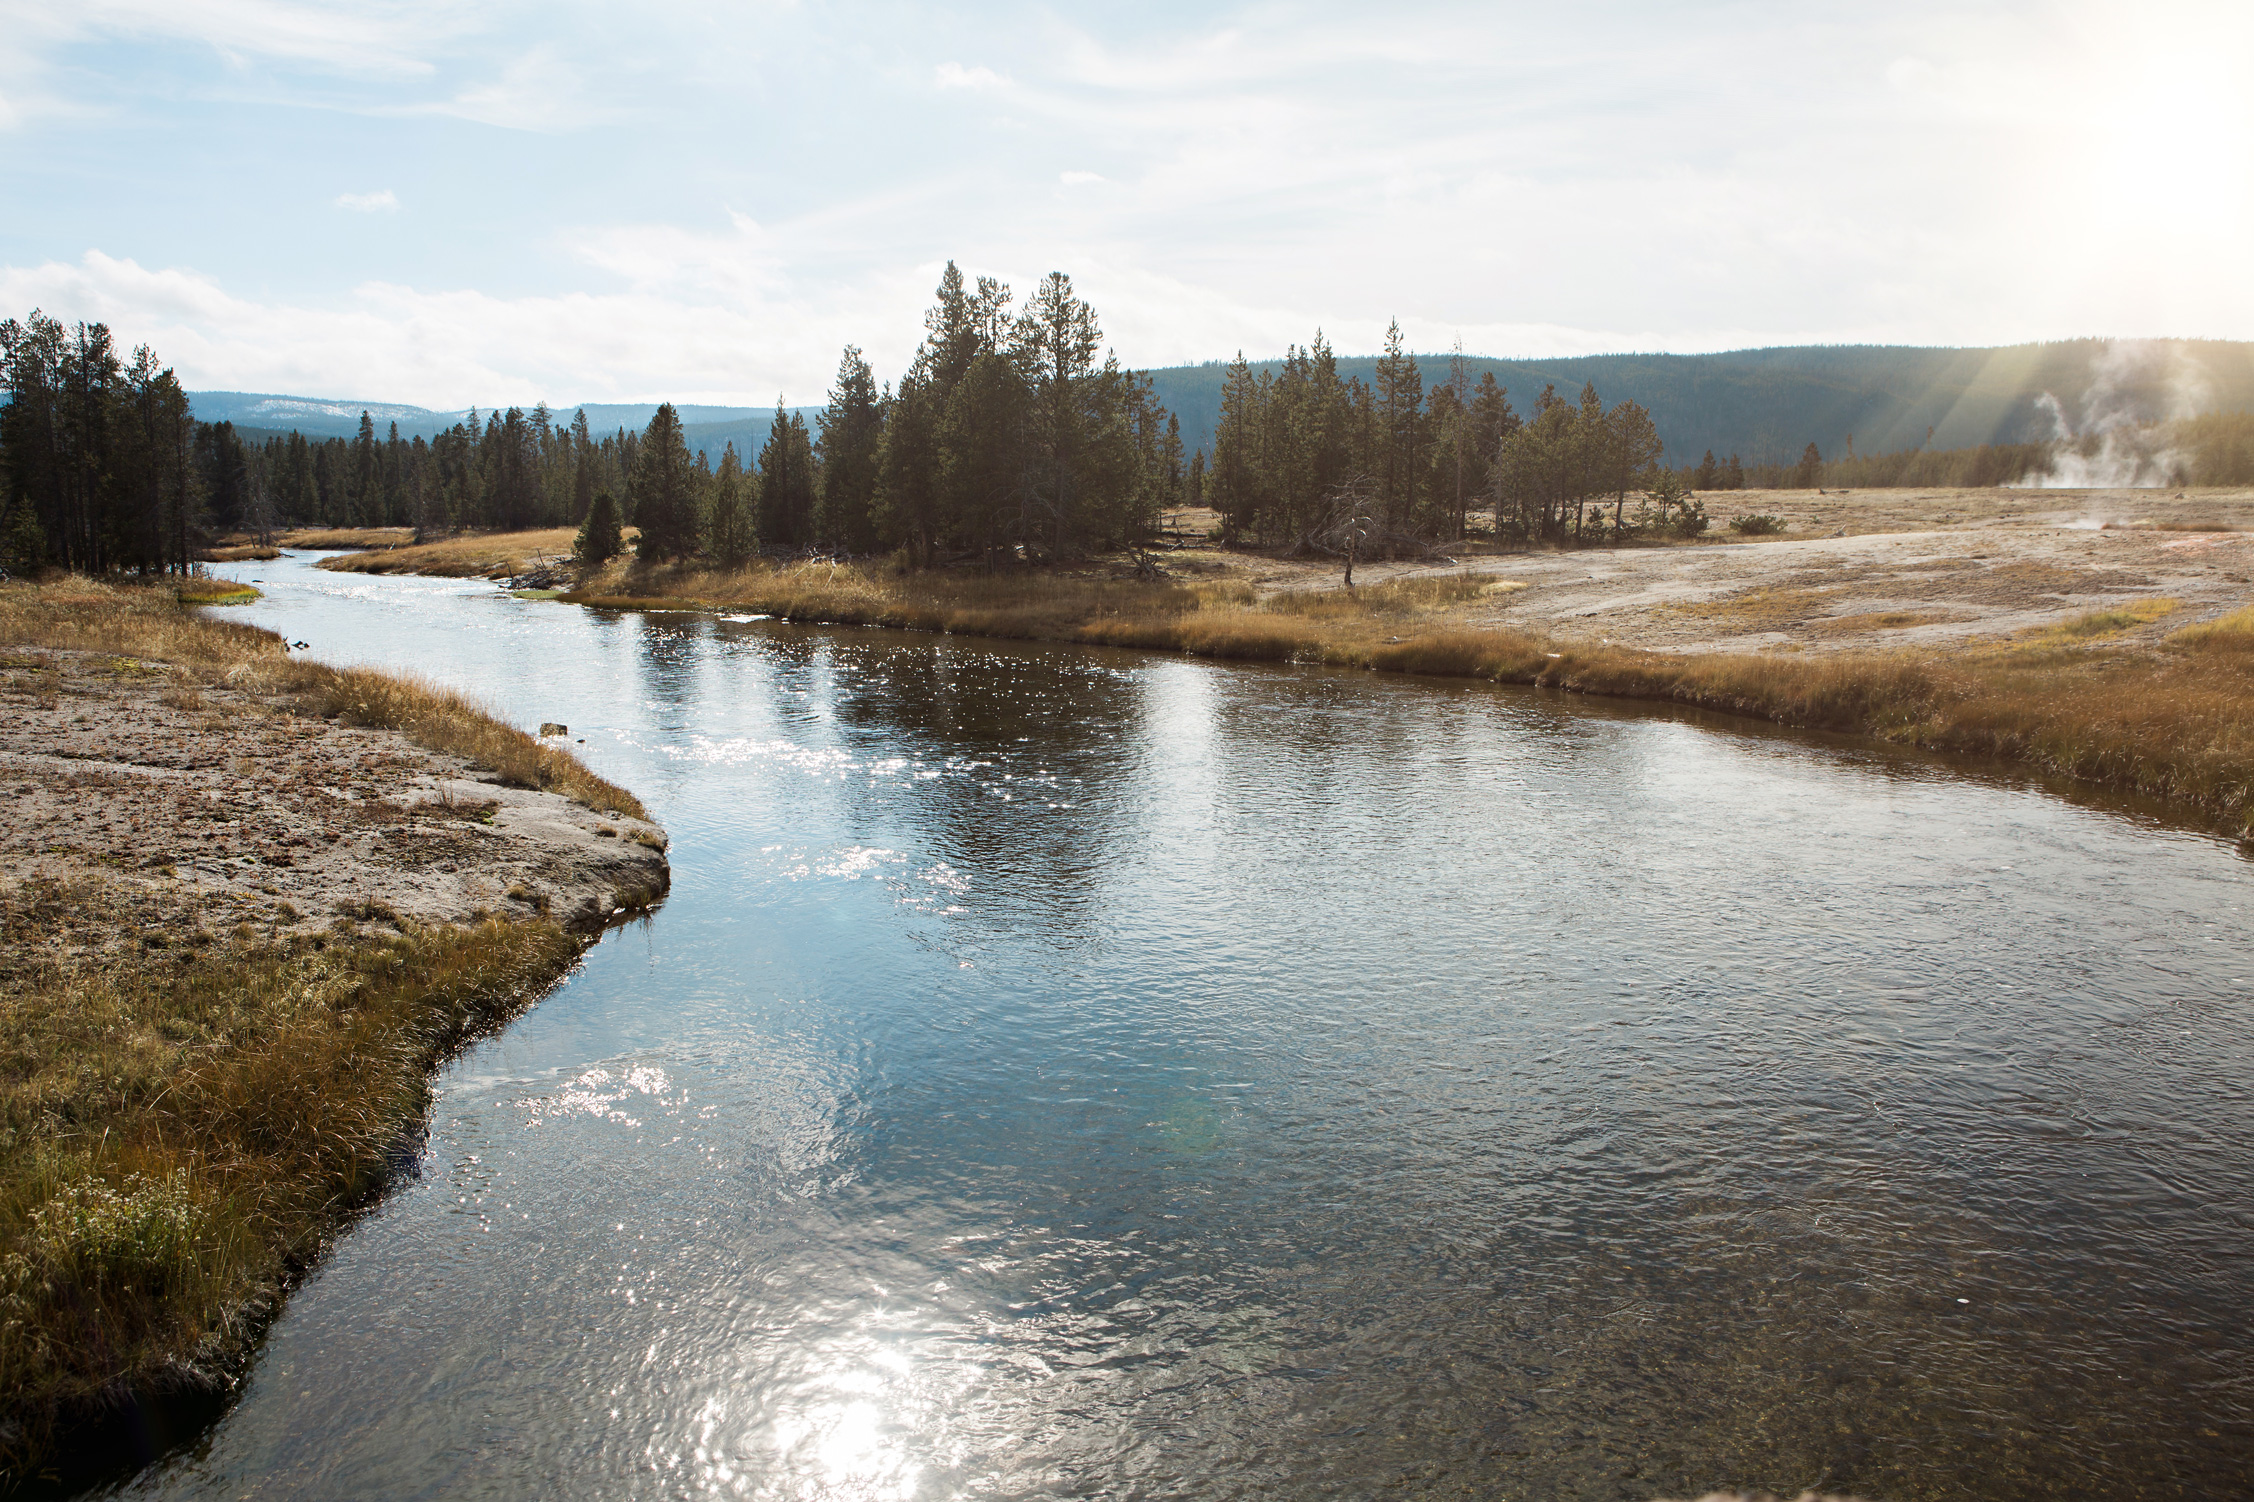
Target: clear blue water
<point x="1076" y="1073"/>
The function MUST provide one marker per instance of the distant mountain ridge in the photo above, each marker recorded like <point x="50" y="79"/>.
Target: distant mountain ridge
<point x="261" y="413"/>
<point x="1769" y="404"/>
<point x="1761" y="404"/>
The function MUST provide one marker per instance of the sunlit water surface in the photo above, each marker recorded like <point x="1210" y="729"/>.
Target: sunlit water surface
<point x="1067" y="1073"/>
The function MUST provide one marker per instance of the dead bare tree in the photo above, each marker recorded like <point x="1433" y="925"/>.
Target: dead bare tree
<point x="1351" y="529"/>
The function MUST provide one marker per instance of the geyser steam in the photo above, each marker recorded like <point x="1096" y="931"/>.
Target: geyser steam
<point x="2122" y="441"/>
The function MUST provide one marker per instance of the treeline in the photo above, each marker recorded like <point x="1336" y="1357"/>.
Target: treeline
<point x="1302" y="456"/>
<point x="2214" y="449"/>
<point x="508" y="472"/>
<point x="104" y="467"/>
<point x="1005" y="439"/>
<point x="1984" y="465"/>
<point x="103" y="464"/>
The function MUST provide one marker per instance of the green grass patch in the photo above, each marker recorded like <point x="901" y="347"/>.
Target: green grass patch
<point x="185" y="1122"/>
<point x="215" y="592"/>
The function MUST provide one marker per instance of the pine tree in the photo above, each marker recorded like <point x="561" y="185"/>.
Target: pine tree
<point x="599" y="538"/>
<point x="1170" y="460"/>
<point x="665" y="499"/>
<point x="1057" y="340"/>
<point x="852" y="432"/>
<point x="729" y="531"/>
<point x="1231" y="483"/>
<point x="23" y="545"/>
<point x="364" y="501"/>
<point x="1400" y="409"/>
<point x="786" y="482"/>
<point x="908" y="465"/>
<point x="981" y="461"/>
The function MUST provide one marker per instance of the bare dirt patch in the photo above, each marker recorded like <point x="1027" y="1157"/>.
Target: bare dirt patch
<point x="249" y="811"/>
<point x="1934" y="570"/>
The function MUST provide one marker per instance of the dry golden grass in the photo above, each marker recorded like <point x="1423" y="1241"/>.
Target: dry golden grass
<point x="1771" y="607"/>
<point x="183" y="1126"/>
<point x="241" y="552"/>
<point x="348" y="537"/>
<point x="2174" y="722"/>
<point x="2093" y="624"/>
<point x="80" y="615"/>
<point x="2178" y="726"/>
<point x="1881" y="620"/>
<point x="2227" y="633"/>
<point x="471" y="556"/>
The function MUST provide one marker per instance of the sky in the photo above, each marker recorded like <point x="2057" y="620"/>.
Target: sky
<point x="406" y="200"/>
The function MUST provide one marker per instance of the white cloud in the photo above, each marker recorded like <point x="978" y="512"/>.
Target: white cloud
<point x="382" y="201"/>
<point x="1928" y="172"/>
<point x="956" y="76"/>
<point x="385" y="39"/>
<point x="537" y="91"/>
<point x="448" y="348"/>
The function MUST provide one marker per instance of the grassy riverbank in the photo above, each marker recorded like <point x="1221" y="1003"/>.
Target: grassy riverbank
<point x="194" y="1095"/>
<point x="2174" y="721"/>
<point x="80" y="615"/>
<point x="473" y="555"/>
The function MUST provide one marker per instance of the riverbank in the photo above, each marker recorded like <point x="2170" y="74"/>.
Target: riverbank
<point x="2171" y="719"/>
<point x="473" y="555"/>
<point x="2097" y="636"/>
<point x="246" y="905"/>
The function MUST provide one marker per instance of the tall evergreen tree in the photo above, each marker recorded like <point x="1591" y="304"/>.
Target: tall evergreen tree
<point x="908" y="498"/>
<point x="982" y="457"/>
<point x="364" y="498"/>
<point x="786" y="482"/>
<point x="852" y="433"/>
<point x="1400" y="411"/>
<point x="665" y="498"/>
<point x="728" y="533"/>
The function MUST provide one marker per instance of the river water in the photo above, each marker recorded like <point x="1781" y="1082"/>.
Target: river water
<point x="1081" y="1073"/>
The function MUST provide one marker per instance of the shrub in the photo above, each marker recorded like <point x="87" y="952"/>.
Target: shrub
<point x="1759" y="524"/>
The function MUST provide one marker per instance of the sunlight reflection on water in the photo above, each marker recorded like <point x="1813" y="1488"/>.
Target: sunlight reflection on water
<point x="1069" y="1074"/>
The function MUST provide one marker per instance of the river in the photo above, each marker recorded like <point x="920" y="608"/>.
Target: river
<point x="1065" y="1072"/>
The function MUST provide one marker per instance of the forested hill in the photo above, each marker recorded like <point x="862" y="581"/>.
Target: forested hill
<point x="261" y="413"/>
<point x="1765" y="405"/>
<point x="1769" y="404"/>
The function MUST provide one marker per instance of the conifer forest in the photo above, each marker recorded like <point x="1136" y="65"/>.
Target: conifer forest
<point x="1009" y="437"/>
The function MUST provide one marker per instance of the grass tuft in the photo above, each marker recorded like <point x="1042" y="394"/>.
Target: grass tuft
<point x="2108" y="622"/>
<point x="201" y="591"/>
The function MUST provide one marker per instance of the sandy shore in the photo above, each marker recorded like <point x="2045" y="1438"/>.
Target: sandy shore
<point x="225" y="801"/>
